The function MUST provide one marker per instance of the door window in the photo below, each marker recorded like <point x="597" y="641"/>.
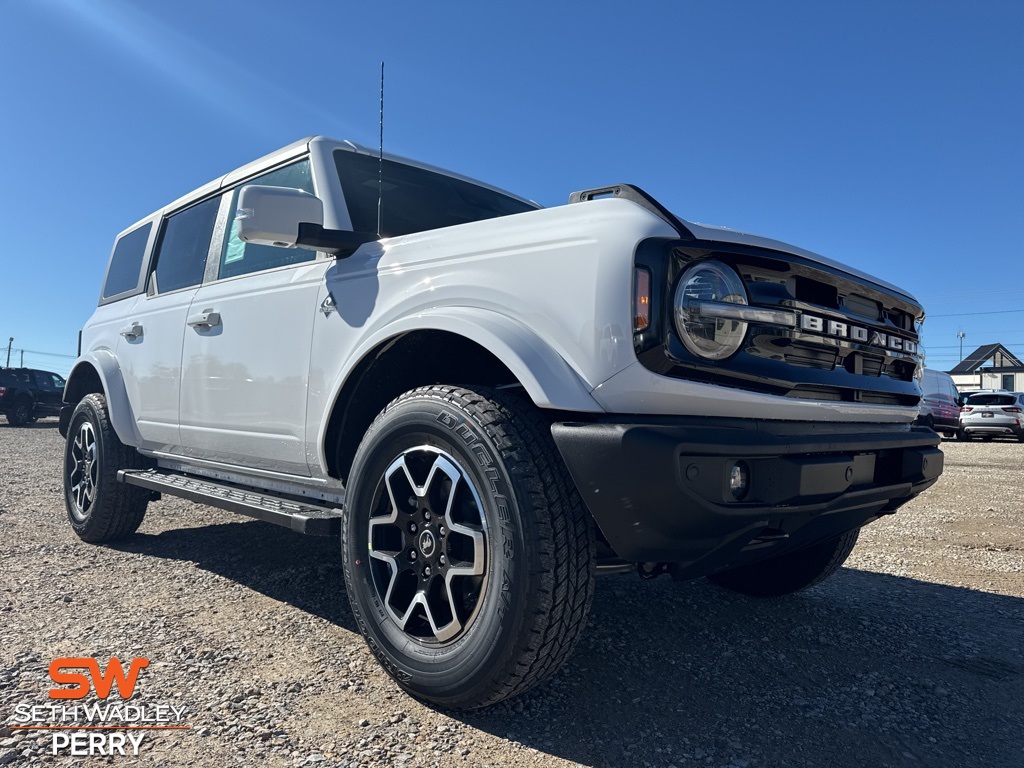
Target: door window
<point x="241" y="258"/>
<point x="184" y="245"/>
<point x="44" y="380"/>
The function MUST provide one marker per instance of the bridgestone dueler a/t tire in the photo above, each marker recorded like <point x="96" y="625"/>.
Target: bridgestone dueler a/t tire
<point x="539" y="547"/>
<point x="115" y="510"/>
<point x="789" y="573"/>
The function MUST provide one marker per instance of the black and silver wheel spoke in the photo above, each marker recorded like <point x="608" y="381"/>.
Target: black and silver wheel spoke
<point x="428" y="534"/>
<point x="83" y="469"/>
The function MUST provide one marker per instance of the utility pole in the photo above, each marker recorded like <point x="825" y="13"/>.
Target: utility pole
<point x="22" y="363"/>
<point x="960" y="335"/>
<point x="10" y="342"/>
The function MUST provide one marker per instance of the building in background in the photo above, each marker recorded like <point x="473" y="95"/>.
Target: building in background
<point x="990" y="366"/>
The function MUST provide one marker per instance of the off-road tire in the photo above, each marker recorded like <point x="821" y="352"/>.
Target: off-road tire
<point x="21" y="413"/>
<point x="540" y="546"/>
<point x="113" y="510"/>
<point x="791" y="572"/>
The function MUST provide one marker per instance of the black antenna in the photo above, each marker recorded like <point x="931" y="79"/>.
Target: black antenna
<point x="380" y="158"/>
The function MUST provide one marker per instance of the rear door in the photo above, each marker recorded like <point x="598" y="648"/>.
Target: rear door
<point x="150" y="347"/>
<point x="48" y="393"/>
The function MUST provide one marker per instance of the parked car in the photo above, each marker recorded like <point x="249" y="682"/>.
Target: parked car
<point x="939" y="407"/>
<point x="992" y="414"/>
<point x="27" y="394"/>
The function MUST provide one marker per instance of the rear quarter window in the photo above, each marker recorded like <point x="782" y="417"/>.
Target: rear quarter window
<point x="125" y="270"/>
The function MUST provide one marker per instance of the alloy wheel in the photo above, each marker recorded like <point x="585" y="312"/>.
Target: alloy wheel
<point x="428" y="545"/>
<point x="83" y="470"/>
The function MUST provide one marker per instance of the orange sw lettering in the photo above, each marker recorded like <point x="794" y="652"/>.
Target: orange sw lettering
<point x="102" y="681"/>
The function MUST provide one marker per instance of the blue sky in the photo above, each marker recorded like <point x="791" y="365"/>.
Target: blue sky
<point x="884" y="135"/>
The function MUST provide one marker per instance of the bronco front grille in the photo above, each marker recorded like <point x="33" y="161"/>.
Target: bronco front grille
<point x="793" y="362"/>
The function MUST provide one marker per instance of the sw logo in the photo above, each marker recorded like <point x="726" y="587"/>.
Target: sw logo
<point x="102" y="681"/>
<point x="91" y="729"/>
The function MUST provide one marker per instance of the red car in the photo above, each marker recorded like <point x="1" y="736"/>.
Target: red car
<point x="939" y="409"/>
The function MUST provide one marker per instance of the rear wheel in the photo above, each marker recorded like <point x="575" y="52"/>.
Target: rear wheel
<point x="791" y="572"/>
<point x="99" y="508"/>
<point x="467" y="552"/>
<point x="21" y="413"/>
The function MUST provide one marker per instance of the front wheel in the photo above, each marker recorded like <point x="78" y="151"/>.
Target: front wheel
<point x="791" y="572"/>
<point x="467" y="552"/>
<point x="99" y="508"/>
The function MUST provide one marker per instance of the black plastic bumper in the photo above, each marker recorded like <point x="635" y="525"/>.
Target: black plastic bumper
<point x="659" y="489"/>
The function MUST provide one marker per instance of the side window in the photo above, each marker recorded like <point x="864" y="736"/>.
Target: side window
<point x="44" y="380"/>
<point x="240" y="258"/>
<point x="58" y="382"/>
<point x="126" y="262"/>
<point x="184" y="244"/>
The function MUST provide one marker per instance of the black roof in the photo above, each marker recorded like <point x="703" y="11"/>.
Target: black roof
<point x="983" y="354"/>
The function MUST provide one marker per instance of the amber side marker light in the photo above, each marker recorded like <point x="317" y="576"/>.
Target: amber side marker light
<point x="641" y="299"/>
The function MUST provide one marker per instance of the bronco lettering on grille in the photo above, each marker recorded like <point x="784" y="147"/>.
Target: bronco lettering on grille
<point x="857" y="333"/>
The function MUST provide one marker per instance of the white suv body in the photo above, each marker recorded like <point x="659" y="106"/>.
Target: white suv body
<point x="713" y="400"/>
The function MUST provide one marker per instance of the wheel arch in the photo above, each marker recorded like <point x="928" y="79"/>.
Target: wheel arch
<point x="453" y="346"/>
<point x="98" y="372"/>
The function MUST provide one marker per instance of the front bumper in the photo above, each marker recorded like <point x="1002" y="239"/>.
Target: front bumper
<point x="659" y="488"/>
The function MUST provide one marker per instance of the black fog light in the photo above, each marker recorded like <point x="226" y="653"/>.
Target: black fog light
<point x="739" y="480"/>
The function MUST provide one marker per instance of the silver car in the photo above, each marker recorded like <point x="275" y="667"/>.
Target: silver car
<point x="992" y="414"/>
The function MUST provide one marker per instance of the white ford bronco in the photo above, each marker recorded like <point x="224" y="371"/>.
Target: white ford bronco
<point x="490" y="402"/>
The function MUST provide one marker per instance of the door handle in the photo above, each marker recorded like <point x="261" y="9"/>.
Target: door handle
<point x="132" y="332"/>
<point x="205" y="319"/>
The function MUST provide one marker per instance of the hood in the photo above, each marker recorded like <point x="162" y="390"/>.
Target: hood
<point x="726" y="235"/>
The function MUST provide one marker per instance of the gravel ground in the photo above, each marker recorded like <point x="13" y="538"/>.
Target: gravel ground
<point x="910" y="656"/>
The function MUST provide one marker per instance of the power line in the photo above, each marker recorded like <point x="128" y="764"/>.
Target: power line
<point x="47" y="354"/>
<point x="976" y="293"/>
<point x="969" y="314"/>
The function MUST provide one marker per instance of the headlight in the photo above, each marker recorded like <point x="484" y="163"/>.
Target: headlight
<point x="702" y="287"/>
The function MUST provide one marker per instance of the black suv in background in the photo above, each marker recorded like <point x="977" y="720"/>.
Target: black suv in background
<point x="27" y="394"/>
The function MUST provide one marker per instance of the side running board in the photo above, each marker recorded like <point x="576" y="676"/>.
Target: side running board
<point x="300" y="516"/>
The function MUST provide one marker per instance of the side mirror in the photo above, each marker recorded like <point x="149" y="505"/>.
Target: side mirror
<point x="291" y="218"/>
<point x="272" y="215"/>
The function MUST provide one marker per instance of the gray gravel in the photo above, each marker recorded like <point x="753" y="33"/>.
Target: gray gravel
<point x="910" y="656"/>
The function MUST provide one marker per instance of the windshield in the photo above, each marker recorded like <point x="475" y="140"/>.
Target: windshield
<point x="414" y="199"/>
<point x="991" y="400"/>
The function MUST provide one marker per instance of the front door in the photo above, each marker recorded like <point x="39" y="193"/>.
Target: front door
<point x="245" y="369"/>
